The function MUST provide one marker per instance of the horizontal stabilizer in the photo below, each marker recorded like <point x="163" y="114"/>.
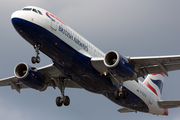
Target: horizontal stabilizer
<point x="169" y="104"/>
<point x="125" y="110"/>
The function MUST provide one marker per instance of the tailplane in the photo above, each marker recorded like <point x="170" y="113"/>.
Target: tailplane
<point x="155" y="83"/>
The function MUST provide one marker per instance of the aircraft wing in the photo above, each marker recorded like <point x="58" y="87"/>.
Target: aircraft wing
<point x="48" y="72"/>
<point x="144" y="65"/>
<point x="169" y="104"/>
<point x="156" y="64"/>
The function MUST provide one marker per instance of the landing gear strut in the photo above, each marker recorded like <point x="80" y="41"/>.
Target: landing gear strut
<point x="37" y="58"/>
<point x="61" y="84"/>
<point x="121" y="93"/>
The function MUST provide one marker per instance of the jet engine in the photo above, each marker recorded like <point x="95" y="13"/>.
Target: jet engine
<point x="30" y="77"/>
<point x="119" y="65"/>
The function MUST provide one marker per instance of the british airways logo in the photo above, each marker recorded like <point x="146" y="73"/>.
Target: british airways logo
<point x="70" y="36"/>
<point x="66" y="33"/>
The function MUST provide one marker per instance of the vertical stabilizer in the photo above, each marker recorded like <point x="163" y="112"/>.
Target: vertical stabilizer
<point x="155" y="83"/>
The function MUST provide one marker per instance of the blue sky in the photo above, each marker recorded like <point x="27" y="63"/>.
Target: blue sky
<point x="133" y="28"/>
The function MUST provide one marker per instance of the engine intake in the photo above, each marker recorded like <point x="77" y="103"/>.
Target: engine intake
<point x="30" y="77"/>
<point x="119" y="65"/>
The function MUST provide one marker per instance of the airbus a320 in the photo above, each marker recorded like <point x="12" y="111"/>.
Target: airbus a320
<point x="76" y="63"/>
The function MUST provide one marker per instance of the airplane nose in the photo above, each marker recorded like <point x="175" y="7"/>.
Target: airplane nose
<point x="16" y="14"/>
<point x="14" y="17"/>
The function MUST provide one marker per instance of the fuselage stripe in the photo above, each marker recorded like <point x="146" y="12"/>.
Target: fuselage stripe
<point x="55" y="18"/>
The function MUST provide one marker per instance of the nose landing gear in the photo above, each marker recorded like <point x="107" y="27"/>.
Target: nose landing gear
<point x="37" y="58"/>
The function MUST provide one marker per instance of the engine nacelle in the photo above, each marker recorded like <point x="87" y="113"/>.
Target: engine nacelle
<point x="119" y="65"/>
<point x="30" y="77"/>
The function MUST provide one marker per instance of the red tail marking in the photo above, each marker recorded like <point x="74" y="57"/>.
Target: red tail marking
<point x="159" y="73"/>
<point x="165" y="112"/>
<point x="150" y="87"/>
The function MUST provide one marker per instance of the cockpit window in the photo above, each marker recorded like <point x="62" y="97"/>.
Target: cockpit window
<point x="28" y="9"/>
<point x="40" y="12"/>
<point x="35" y="10"/>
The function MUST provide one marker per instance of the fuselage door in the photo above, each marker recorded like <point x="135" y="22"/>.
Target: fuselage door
<point x="54" y="24"/>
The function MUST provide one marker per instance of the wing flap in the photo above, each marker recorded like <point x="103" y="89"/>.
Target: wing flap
<point x="169" y="104"/>
<point x="20" y="86"/>
<point x="72" y="84"/>
<point x="50" y="71"/>
<point x="125" y="110"/>
<point x="8" y="81"/>
<point x="157" y="69"/>
<point x="152" y="60"/>
<point x="155" y="64"/>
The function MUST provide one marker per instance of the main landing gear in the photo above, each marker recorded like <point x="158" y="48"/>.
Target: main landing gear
<point x="60" y="100"/>
<point x="121" y="93"/>
<point x="37" y="58"/>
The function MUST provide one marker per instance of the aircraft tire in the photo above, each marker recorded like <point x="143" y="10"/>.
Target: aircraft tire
<point x="66" y="100"/>
<point x="33" y="60"/>
<point x="116" y="95"/>
<point x="58" y="101"/>
<point x="38" y="59"/>
<point x="125" y="94"/>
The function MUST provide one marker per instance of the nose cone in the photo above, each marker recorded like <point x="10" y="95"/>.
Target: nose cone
<point x="16" y="14"/>
<point x="166" y="112"/>
<point x="14" y="17"/>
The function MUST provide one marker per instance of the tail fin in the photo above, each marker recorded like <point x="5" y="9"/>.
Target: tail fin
<point x="155" y="83"/>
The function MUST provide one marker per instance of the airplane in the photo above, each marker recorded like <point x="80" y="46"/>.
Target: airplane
<point x="76" y="63"/>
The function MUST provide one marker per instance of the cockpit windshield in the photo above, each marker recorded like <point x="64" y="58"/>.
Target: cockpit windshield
<point x="28" y="9"/>
<point x="33" y="9"/>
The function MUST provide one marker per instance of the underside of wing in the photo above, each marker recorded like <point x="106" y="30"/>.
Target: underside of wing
<point x="144" y="65"/>
<point x="169" y="104"/>
<point x="50" y="75"/>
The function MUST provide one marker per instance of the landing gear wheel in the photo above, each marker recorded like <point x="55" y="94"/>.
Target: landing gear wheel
<point x="33" y="60"/>
<point x="116" y="95"/>
<point x="66" y="100"/>
<point x="61" y="84"/>
<point x="38" y="59"/>
<point x="125" y="94"/>
<point x="58" y="101"/>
